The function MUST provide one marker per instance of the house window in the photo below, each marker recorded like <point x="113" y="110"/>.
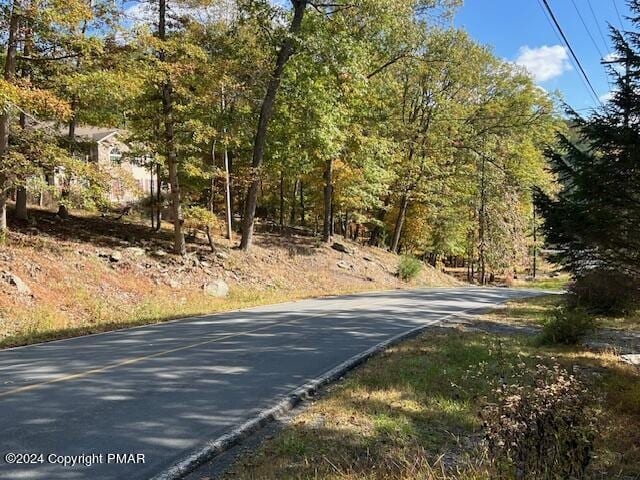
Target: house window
<point x="115" y="156"/>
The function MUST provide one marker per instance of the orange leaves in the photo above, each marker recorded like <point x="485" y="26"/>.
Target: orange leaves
<point x="44" y="103"/>
<point x="34" y="101"/>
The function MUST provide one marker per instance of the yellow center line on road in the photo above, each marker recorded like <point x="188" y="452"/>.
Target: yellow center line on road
<point x="134" y="360"/>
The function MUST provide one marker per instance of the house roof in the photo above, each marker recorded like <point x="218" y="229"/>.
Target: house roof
<point x="85" y="132"/>
<point x="96" y="133"/>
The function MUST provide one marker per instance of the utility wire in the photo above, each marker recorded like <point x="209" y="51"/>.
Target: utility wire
<point x="595" y="44"/>
<point x="571" y="51"/>
<point x="595" y="19"/>
<point x="553" y="29"/>
<point x="615" y="6"/>
<point x="546" y="16"/>
<point x="584" y="24"/>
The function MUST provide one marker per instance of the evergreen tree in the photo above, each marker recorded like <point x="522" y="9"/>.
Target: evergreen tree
<point x="595" y="218"/>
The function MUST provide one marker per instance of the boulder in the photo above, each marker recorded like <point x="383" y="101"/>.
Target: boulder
<point x="341" y="247"/>
<point x="217" y="288"/>
<point x="344" y="265"/>
<point x="16" y="281"/>
<point x="135" y="251"/>
<point x="222" y="255"/>
<point x="631" y="358"/>
<point x="159" y="253"/>
<point x="115" y="257"/>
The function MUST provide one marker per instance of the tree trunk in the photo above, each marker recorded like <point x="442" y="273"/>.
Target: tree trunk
<point x="292" y="216"/>
<point x="179" y="247"/>
<point x="21" y="203"/>
<point x="227" y="193"/>
<point x="345" y="226"/>
<point x="397" y="232"/>
<point x="5" y="119"/>
<point x="210" y="239"/>
<point x="227" y="178"/>
<point x="266" y="112"/>
<point x="212" y="183"/>
<point x="374" y="239"/>
<point x="535" y="244"/>
<point x="327" y="228"/>
<point x="482" y="226"/>
<point x="71" y="134"/>
<point x="281" y="200"/>
<point x="152" y="200"/>
<point x="158" y="197"/>
<point x="331" y="222"/>
<point x="21" y="192"/>
<point x="303" y="211"/>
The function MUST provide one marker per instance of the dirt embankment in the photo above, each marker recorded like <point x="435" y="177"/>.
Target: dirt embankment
<point x="87" y="274"/>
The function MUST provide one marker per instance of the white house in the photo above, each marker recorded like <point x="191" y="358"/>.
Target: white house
<point x="107" y="148"/>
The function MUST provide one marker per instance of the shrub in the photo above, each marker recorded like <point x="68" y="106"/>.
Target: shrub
<point x="604" y="292"/>
<point x="542" y="430"/>
<point x="408" y="267"/>
<point x="200" y="219"/>
<point x="567" y="325"/>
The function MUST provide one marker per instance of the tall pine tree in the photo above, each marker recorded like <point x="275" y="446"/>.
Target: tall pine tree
<point x="595" y="218"/>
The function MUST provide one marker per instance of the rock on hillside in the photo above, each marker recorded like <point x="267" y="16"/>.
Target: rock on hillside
<point x="69" y="283"/>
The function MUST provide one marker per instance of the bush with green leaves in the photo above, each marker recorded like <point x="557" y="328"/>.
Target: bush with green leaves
<point x="540" y="429"/>
<point x="567" y="325"/>
<point x="409" y="267"/>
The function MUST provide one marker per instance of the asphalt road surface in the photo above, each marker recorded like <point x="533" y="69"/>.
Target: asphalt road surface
<point x="162" y="391"/>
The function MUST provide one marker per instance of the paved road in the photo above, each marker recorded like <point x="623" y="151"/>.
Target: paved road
<point x="164" y="390"/>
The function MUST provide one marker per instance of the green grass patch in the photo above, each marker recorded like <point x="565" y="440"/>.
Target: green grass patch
<point x="546" y="283"/>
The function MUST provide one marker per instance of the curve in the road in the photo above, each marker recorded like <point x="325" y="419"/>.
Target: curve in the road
<point x="165" y="390"/>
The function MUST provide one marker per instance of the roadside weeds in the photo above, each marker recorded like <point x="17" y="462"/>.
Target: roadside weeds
<point x="413" y="410"/>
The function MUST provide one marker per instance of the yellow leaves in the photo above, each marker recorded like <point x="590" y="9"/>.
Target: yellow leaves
<point x="8" y="95"/>
<point x="199" y="218"/>
<point x="69" y="13"/>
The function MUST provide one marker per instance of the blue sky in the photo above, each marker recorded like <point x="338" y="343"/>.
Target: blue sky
<point x="519" y="31"/>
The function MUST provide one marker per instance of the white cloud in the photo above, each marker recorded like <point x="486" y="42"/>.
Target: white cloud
<point x="607" y="97"/>
<point x="611" y="57"/>
<point x="613" y="62"/>
<point x="545" y="62"/>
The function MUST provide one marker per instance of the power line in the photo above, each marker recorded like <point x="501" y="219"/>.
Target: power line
<point x="595" y="44"/>
<point x="595" y="19"/>
<point x="573" y="54"/>
<point x="553" y="29"/>
<point x="615" y="6"/>
<point x="593" y="40"/>
<point x="546" y="16"/>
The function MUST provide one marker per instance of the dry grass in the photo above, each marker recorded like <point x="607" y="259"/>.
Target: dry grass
<point x="527" y="311"/>
<point x="534" y="311"/>
<point x="77" y="289"/>
<point x="412" y="412"/>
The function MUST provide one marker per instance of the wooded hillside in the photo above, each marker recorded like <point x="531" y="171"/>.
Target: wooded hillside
<point x="370" y="118"/>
